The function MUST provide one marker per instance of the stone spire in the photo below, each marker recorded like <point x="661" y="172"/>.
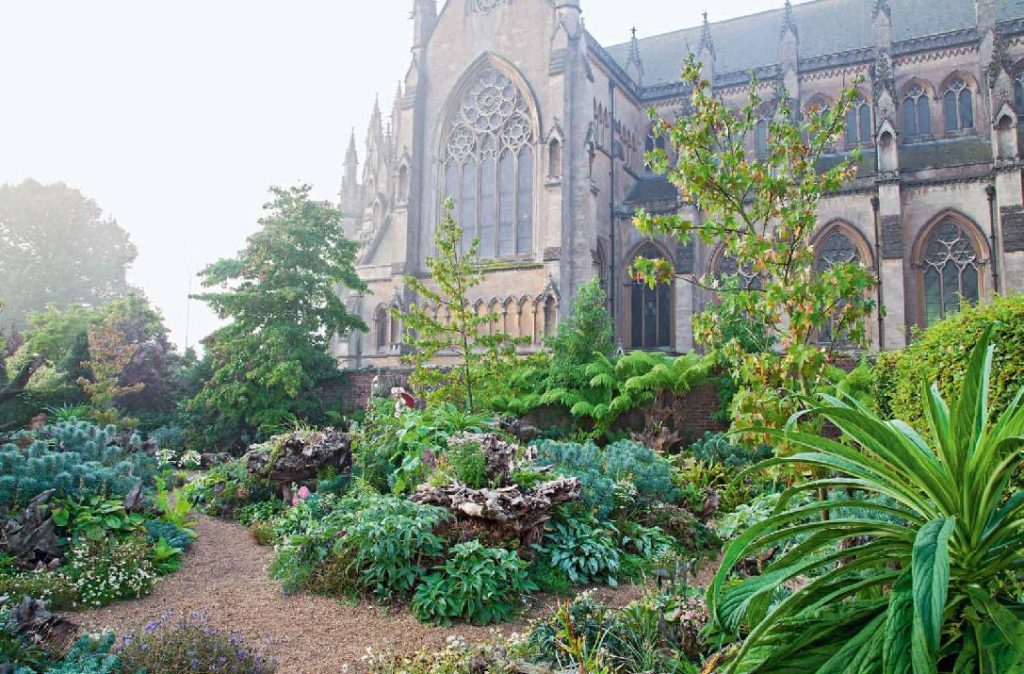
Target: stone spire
<point x="707" y="43"/>
<point x="883" y="71"/>
<point x="789" y="54"/>
<point x="376" y="130"/>
<point x="789" y="23"/>
<point x="351" y="178"/>
<point x="706" y="52"/>
<point x="634" y="65"/>
<point x="351" y="197"/>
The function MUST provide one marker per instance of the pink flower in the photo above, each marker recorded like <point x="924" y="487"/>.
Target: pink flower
<point x="304" y="493"/>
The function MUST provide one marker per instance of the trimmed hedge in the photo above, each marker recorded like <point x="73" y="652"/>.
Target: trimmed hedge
<point x="940" y="354"/>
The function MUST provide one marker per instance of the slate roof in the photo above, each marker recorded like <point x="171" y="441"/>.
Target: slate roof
<point x="652" y="188"/>
<point x="826" y="27"/>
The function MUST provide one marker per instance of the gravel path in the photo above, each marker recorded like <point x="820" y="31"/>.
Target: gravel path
<point x="225" y="575"/>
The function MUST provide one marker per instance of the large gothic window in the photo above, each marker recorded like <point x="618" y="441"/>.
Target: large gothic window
<point x="650" y="309"/>
<point x="488" y="159"/>
<point x="958" y="106"/>
<point x="917" y="116"/>
<point x="951" y="271"/>
<point x="835" y="248"/>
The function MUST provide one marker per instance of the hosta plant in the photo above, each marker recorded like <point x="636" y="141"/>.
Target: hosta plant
<point x="585" y="549"/>
<point x="906" y="578"/>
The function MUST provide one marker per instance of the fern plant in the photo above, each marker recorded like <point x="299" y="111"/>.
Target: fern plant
<point x="619" y="385"/>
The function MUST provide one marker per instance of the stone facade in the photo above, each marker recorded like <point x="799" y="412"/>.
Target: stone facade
<point x="539" y="132"/>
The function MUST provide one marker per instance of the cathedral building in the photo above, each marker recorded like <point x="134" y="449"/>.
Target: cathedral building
<point x="538" y="133"/>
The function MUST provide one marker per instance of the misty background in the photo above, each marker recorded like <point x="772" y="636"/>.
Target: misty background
<point x="175" y="117"/>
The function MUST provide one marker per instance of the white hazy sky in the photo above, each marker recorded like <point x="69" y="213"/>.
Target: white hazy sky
<point x="176" y="115"/>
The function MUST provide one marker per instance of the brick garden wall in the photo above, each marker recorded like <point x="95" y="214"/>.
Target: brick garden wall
<point x="350" y="394"/>
<point x="699" y="407"/>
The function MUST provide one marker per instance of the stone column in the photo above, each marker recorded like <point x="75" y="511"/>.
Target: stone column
<point x="892" y="232"/>
<point x="1010" y="229"/>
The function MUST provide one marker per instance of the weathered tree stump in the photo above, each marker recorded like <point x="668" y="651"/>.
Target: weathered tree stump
<point x="512" y="511"/>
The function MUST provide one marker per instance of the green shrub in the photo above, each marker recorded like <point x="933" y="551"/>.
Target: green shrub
<point x="584" y="549"/>
<point x="226" y="489"/>
<point x="54" y="587"/>
<point x="658" y="633"/>
<point x="191" y="644"/>
<point x="75" y="459"/>
<point x="262" y="511"/>
<point x="717" y="448"/>
<point x="468" y="464"/>
<point x="940" y="354"/>
<point x="389" y="542"/>
<point x="169" y="437"/>
<point x="90" y="656"/>
<point x="549" y="579"/>
<point x="362" y="543"/>
<point x="476" y="584"/>
<point x="105" y="571"/>
<point x="601" y="473"/>
<point x="174" y="535"/>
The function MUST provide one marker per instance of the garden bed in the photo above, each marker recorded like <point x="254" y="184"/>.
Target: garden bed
<point x="225" y="577"/>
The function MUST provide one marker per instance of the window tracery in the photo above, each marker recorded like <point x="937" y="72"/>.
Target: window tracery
<point x="858" y="124"/>
<point x="835" y="248"/>
<point x="650" y="309"/>
<point x="958" y="106"/>
<point x="489" y="164"/>
<point x="951" y="271"/>
<point x="917" y="116"/>
<point x="486" y="6"/>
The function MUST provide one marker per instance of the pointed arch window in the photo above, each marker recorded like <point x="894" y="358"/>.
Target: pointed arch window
<point x="950" y="271"/>
<point x="650" y="309"/>
<point x="488" y="159"/>
<point x="835" y="248"/>
<point x="958" y="106"/>
<point x="917" y="115"/>
<point x="761" y="139"/>
<point x="858" y="124"/>
<point x="382" y="324"/>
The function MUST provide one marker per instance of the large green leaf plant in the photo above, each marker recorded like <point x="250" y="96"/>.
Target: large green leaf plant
<point x="905" y="574"/>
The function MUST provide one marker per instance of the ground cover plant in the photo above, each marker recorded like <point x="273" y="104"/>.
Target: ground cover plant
<point x="84" y="517"/>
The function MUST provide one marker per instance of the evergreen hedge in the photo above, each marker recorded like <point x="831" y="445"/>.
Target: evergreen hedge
<point x="940" y="354"/>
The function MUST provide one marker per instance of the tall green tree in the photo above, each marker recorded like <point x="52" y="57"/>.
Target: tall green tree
<point x="585" y="333"/>
<point x="764" y="209"/>
<point x="57" y="248"/>
<point x="451" y="332"/>
<point x="280" y="296"/>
